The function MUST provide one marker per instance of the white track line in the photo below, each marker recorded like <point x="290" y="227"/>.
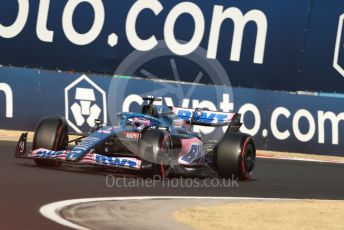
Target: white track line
<point x="52" y="210"/>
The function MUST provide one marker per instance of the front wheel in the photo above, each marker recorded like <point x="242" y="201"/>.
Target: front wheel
<point x="235" y="156"/>
<point x="51" y="134"/>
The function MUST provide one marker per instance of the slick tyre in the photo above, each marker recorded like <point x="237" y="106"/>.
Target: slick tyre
<point x="52" y="134"/>
<point x="155" y="148"/>
<point x="235" y="156"/>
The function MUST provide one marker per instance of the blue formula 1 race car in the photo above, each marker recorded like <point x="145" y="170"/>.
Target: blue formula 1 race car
<point x="158" y="141"/>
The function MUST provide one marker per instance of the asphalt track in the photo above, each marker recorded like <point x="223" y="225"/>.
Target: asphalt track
<point x="24" y="187"/>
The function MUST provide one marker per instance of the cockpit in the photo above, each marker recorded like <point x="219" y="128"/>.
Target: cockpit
<point x="150" y="110"/>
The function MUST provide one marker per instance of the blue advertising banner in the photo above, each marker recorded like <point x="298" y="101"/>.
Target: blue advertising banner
<point x="277" y="45"/>
<point x="278" y="120"/>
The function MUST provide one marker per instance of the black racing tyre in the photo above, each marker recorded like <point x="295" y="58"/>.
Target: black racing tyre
<point x="155" y="147"/>
<point x="52" y="134"/>
<point x="235" y="156"/>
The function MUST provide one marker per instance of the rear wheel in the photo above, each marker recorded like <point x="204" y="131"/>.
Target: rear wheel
<point x="235" y="156"/>
<point x="155" y="147"/>
<point x="51" y="134"/>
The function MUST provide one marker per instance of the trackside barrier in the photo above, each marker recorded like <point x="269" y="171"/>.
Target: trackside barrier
<point x="284" y="45"/>
<point x="279" y="121"/>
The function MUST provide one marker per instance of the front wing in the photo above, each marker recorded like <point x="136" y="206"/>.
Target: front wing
<point x="90" y="159"/>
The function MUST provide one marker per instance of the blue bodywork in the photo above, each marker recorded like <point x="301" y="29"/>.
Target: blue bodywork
<point x="126" y="119"/>
<point x="165" y="119"/>
<point x="120" y="146"/>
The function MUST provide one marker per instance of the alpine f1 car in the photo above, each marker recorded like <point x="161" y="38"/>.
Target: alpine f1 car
<point x="159" y="141"/>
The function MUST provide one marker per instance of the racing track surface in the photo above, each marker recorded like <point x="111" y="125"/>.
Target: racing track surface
<point x="24" y="188"/>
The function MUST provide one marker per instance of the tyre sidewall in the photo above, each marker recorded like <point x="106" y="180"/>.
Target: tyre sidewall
<point x="230" y="156"/>
<point x="51" y="134"/>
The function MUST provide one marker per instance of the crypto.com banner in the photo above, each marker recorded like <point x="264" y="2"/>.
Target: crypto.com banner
<point x="286" y="45"/>
<point x="278" y="121"/>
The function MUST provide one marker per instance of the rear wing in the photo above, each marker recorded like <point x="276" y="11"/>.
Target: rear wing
<point x="210" y="118"/>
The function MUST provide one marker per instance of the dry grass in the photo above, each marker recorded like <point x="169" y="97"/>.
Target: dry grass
<point x="300" y="155"/>
<point x="7" y="135"/>
<point x="302" y="215"/>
